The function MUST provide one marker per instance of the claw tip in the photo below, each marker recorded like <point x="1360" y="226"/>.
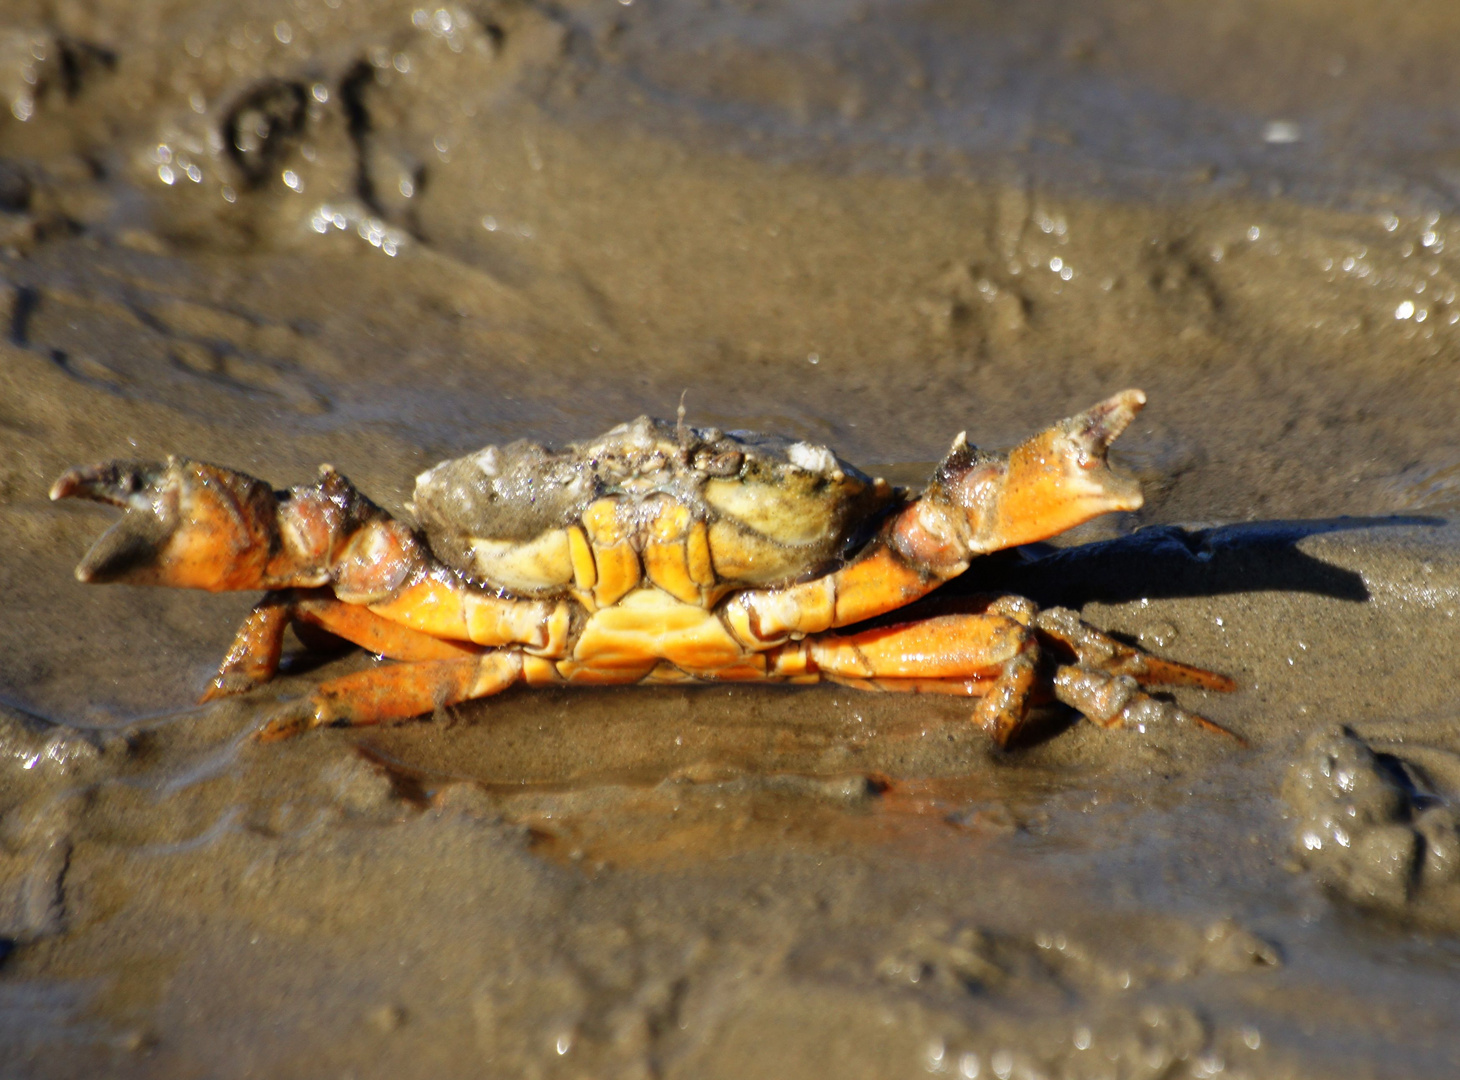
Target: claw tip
<point x="65" y="485"/>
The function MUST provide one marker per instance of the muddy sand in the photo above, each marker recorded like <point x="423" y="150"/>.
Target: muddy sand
<point x="376" y="235"/>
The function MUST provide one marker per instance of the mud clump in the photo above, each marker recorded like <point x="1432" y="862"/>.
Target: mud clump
<point x="1367" y="827"/>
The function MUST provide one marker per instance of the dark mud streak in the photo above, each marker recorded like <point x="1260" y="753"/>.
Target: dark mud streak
<point x="284" y="108"/>
<point x="23" y="310"/>
<point x="27" y="300"/>
<point x="353" y="87"/>
<point x="80" y="60"/>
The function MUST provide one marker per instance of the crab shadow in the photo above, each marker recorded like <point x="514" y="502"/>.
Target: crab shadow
<point x="1170" y="562"/>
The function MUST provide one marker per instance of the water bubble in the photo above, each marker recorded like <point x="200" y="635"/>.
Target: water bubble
<point x="813" y="358"/>
<point x="1254" y="233"/>
<point x="1056" y="264"/>
<point x="166" y="175"/>
<point x="1428" y="238"/>
<point x="195" y="174"/>
<point x="320" y="92"/>
<point x="1421" y="314"/>
<point x="1067" y="273"/>
<point x="1002" y="1063"/>
<point x="489" y="223"/>
<point x="1208" y="1065"/>
<point x="402" y="63"/>
<point x="292" y="180"/>
<point x="1390" y="222"/>
<point x="1282" y="132"/>
<point x="1082" y="1038"/>
<point x="1405" y="310"/>
<point x="407" y="189"/>
<point x="283" y="32"/>
<point x="937" y="1051"/>
<point x="197" y="102"/>
<point x="1252" y="1037"/>
<point x="968" y="1065"/>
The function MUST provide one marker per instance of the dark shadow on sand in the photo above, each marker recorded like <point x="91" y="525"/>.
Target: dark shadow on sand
<point x="1167" y="561"/>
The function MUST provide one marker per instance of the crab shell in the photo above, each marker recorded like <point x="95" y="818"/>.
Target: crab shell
<point x="705" y="511"/>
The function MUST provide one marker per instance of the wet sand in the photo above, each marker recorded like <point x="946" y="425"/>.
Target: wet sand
<point x="375" y="237"/>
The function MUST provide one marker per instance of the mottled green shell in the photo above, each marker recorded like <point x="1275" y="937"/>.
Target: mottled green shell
<point x="778" y="510"/>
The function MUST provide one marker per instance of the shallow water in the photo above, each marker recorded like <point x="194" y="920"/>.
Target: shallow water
<point x="377" y="235"/>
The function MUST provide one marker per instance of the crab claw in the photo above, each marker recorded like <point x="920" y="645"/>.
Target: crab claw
<point x="185" y="523"/>
<point x="1049" y="483"/>
<point x="1060" y="478"/>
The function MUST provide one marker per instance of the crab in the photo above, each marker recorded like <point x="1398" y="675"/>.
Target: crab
<point x="658" y="553"/>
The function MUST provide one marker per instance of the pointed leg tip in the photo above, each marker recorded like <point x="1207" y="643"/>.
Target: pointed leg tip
<point x="1217" y="729"/>
<point x="230" y="684"/>
<point x="289" y="720"/>
<point x="277" y="730"/>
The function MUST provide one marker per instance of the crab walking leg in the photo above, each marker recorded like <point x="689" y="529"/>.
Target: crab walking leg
<point x="254" y="656"/>
<point x="993" y="655"/>
<point x="1100" y="651"/>
<point x="996" y="656"/>
<point x="395" y="692"/>
<point x="949" y="646"/>
<point x="1116" y="701"/>
<point x="977" y="503"/>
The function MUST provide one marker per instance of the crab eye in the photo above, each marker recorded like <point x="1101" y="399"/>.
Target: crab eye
<point x="724" y="464"/>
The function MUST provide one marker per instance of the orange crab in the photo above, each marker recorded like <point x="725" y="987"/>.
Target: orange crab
<point x="658" y="553"/>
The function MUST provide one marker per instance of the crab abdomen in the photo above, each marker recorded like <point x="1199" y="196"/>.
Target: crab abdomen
<point x="647" y="626"/>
